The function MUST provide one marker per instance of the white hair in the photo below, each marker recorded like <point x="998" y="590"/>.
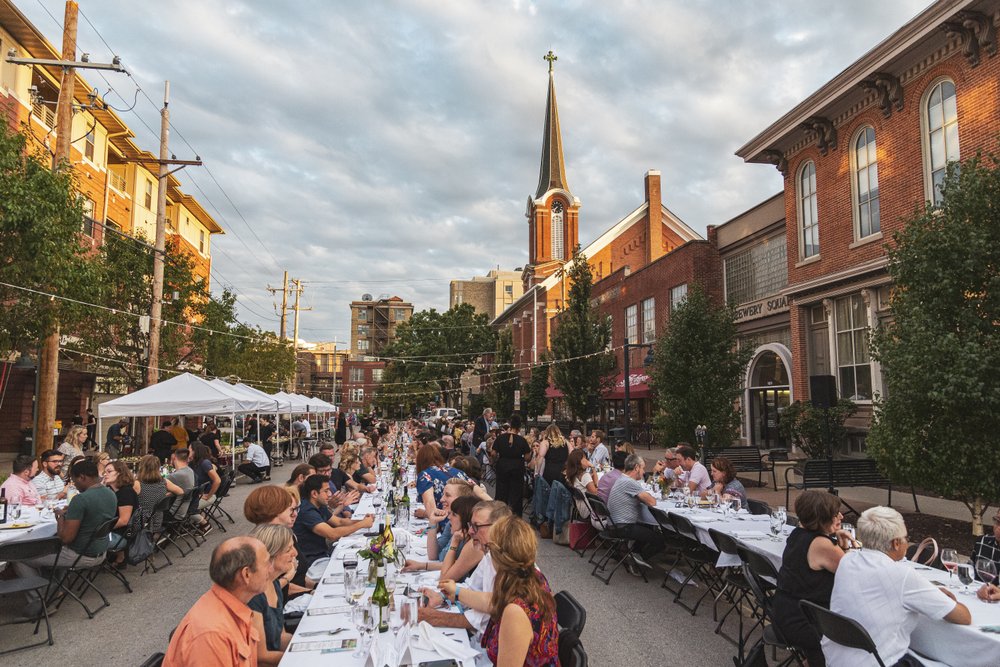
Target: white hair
<point x="879" y="526"/>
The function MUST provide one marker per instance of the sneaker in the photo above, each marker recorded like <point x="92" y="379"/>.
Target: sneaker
<point x="640" y="561"/>
<point x="632" y="569"/>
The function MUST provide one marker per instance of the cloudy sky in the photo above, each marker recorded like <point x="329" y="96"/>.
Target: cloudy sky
<point x="388" y="147"/>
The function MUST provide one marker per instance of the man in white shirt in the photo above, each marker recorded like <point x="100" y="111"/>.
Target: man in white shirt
<point x="691" y="471"/>
<point x="886" y="596"/>
<point x="599" y="454"/>
<point x="47" y="481"/>
<point x="256" y="465"/>
<point x="484" y="515"/>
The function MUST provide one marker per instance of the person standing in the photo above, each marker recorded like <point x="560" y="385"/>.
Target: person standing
<point x="266" y="435"/>
<point x="162" y="442"/>
<point x="512" y="452"/>
<point x="219" y="629"/>
<point x="180" y="432"/>
<point x="340" y="433"/>
<point x="91" y="429"/>
<point x="116" y="437"/>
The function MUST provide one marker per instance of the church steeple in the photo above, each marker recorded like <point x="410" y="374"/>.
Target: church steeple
<point x="553" y="169"/>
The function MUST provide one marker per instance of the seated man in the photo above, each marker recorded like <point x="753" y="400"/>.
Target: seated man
<point x="690" y="471"/>
<point x="608" y="479"/>
<point x="256" y="465"/>
<point x="218" y="629"/>
<point x="18" y="488"/>
<point x="94" y="506"/>
<point x="625" y="504"/>
<point x="664" y="468"/>
<point x="316" y="524"/>
<point x="885" y="596"/>
<point x="988" y="544"/>
<point x="47" y="481"/>
<point x="484" y="515"/>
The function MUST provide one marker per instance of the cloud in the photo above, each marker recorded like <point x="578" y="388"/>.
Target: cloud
<point x="398" y="141"/>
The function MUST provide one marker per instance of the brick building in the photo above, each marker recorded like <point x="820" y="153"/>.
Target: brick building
<point x="319" y="371"/>
<point x="858" y="156"/>
<point x="374" y="322"/>
<point x="361" y="379"/>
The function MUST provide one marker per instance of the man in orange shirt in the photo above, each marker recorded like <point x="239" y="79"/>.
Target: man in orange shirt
<point x="218" y="631"/>
<point x="179" y="432"/>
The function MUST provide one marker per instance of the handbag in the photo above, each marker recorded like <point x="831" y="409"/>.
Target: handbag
<point x="580" y="533"/>
<point x="139" y="540"/>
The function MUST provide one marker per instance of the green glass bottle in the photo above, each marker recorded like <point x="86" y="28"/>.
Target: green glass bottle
<point x="381" y="598"/>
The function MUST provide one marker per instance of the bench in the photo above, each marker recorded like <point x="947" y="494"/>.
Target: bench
<point x="744" y="459"/>
<point x="846" y="473"/>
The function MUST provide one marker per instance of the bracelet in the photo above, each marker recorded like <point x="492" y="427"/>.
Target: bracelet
<point x="425" y="565"/>
<point x="453" y="548"/>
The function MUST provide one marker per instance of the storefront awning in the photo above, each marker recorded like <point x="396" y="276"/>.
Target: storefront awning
<point x="638" y="387"/>
<point x="552" y="392"/>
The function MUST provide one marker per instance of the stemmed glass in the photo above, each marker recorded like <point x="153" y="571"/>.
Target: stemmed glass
<point x="986" y="569"/>
<point x="777" y="523"/>
<point x="949" y="558"/>
<point x="966" y="574"/>
<point x="361" y="615"/>
<point x="358" y="584"/>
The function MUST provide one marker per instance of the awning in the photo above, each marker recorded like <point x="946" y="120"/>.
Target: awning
<point x="552" y="392"/>
<point x="638" y="387"/>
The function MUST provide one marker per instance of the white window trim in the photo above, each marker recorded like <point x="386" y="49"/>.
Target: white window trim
<point x="925" y="135"/>
<point x="855" y="195"/>
<point x="831" y="331"/>
<point x="800" y="219"/>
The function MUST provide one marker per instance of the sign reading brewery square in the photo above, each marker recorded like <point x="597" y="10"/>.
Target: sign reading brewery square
<point x="761" y="308"/>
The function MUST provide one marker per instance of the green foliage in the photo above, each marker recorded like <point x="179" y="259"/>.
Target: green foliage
<point x="41" y="221"/>
<point x="698" y="372"/>
<point x="803" y="426"/>
<point x="259" y="358"/>
<point x="583" y="335"/>
<point x="535" y="400"/>
<point x="457" y="336"/>
<point x="938" y="422"/>
<point x="504" y="381"/>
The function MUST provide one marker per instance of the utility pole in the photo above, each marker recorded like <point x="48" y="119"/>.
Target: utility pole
<point x="284" y="301"/>
<point x="295" y="328"/>
<point x="160" y="245"/>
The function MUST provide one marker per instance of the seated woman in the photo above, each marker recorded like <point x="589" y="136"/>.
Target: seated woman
<point x="579" y="477"/>
<point x="150" y="487"/>
<point x="299" y="474"/>
<point x="812" y="554"/>
<point x="119" y="479"/>
<point x="343" y="475"/>
<point x="724" y="481"/>
<point x="271" y="504"/>
<point x="269" y="607"/>
<point x="461" y="557"/>
<point x="521" y="607"/>
<point x="432" y="475"/>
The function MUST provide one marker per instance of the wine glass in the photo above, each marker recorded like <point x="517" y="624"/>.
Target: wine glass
<point x="361" y="616"/>
<point x="986" y="569"/>
<point x="359" y="585"/>
<point x="966" y="573"/>
<point x="777" y="523"/>
<point x="849" y="529"/>
<point x="390" y="579"/>
<point x="949" y="558"/>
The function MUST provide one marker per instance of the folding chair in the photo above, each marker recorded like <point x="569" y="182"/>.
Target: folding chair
<point x="109" y="568"/>
<point x="579" y="497"/>
<point x="213" y="511"/>
<point x="570" y="614"/>
<point x="758" y="506"/>
<point x="735" y="588"/>
<point x="762" y="579"/>
<point x="675" y="544"/>
<point x="27" y="550"/>
<point x="175" y="520"/>
<point x="617" y="542"/>
<point x="160" y="536"/>
<point x="840" y="629"/>
<point x="156" y="660"/>
<point x="700" y="559"/>
<point x="81" y="577"/>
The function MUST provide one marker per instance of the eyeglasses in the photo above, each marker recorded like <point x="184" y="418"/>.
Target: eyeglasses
<point x="476" y="527"/>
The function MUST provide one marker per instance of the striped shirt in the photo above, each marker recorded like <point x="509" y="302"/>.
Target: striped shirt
<point x="623" y="503"/>
<point x="48" y="486"/>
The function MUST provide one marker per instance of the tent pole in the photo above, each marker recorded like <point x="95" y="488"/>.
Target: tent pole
<point x="232" y="443"/>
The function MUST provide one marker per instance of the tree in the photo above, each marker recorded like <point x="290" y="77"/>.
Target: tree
<point x="581" y="343"/>
<point x="504" y="379"/>
<point x="803" y="425"/>
<point x="937" y="424"/>
<point x="535" y="399"/>
<point x="435" y="349"/>
<point x="698" y="372"/>
<point x="41" y="220"/>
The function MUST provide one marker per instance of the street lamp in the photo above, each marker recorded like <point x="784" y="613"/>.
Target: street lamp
<point x="699" y="434"/>
<point x="627" y="413"/>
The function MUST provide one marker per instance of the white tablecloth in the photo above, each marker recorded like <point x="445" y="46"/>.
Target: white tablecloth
<point x="42" y="527"/>
<point x="349" y="546"/>
<point x="954" y="645"/>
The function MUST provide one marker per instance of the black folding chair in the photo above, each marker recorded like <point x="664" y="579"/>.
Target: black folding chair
<point x="582" y="547"/>
<point x="77" y="579"/>
<point x="840" y="629"/>
<point x="571" y="651"/>
<point x="735" y="589"/>
<point x="758" y="506"/>
<point x="28" y="550"/>
<point x="214" y="512"/>
<point x="156" y="660"/>
<point x="762" y="579"/>
<point x="699" y="558"/>
<point x="674" y="543"/>
<point x="618" y="544"/>
<point x="175" y="519"/>
<point x="570" y="614"/>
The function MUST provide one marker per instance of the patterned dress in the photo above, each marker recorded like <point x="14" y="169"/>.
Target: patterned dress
<point x="435" y="478"/>
<point x="543" y="651"/>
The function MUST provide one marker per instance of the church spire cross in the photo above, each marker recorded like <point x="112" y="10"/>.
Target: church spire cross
<point x="551" y="57"/>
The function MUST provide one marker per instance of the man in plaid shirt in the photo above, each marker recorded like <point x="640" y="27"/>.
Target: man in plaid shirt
<point x="988" y="546"/>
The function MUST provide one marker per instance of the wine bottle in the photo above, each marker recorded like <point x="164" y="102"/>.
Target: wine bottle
<point x="380" y="597"/>
<point x="3" y="505"/>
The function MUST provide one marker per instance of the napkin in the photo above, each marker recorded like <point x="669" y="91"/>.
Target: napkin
<point x="386" y="654"/>
<point x="427" y="640"/>
<point x="299" y="604"/>
<point x="747" y="533"/>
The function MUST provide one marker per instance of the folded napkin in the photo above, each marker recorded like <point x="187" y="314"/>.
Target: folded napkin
<point x="425" y="638"/>
<point x="299" y="604"/>
<point x="747" y="533"/>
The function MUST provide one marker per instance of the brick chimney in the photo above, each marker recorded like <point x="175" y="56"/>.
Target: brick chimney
<point x="654" y="217"/>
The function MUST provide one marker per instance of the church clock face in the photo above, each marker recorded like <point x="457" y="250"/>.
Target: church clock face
<point x="558" y="241"/>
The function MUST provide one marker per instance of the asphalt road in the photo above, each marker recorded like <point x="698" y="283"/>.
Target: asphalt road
<point x="628" y="622"/>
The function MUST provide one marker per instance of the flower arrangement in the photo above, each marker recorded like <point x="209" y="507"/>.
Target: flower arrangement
<point x="381" y="550"/>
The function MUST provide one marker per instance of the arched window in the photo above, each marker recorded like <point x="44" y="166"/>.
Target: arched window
<point x="558" y="243"/>
<point x="866" y="184"/>
<point x="940" y="120"/>
<point x="808" y="216"/>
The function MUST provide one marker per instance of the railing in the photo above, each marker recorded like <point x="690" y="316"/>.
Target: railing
<point x="45" y="113"/>
<point x="118" y="182"/>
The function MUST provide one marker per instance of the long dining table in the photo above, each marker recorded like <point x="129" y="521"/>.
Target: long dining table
<point x="33" y="524"/>
<point x="329" y="612"/>
<point x="947" y="643"/>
